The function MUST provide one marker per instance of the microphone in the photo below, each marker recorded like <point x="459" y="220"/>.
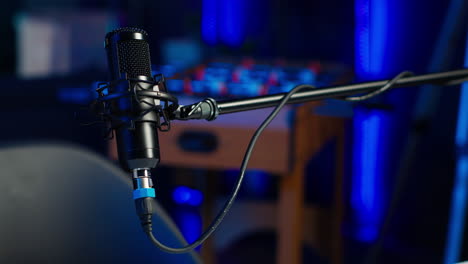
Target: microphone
<point x="130" y="70"/>
<point x="134" y="106"/>
<point x="131" y="103"/>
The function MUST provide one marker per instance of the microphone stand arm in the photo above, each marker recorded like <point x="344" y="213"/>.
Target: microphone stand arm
<point x="209" y="108"/>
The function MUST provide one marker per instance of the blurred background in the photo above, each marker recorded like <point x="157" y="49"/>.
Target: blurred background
<point x="371" y="181"/>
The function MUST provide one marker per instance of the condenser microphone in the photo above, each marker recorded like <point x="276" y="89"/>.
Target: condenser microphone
<point x="135" y="112"/>
<point x="130" y="71"/>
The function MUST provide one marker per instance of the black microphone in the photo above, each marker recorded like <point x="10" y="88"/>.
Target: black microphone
<point x="135" y="116"/>
<point x="130" y="70"/>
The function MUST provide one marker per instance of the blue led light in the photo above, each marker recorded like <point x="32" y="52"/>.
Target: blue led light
<point x="190" y="223"/>
<point x="223" y="21"/>
<point x="459" y="195"/>
<point x="378" y="33"/>
<point x="287" y="86"/>
<point x="231" y="26"/>
<point x="461" y="138"/>
<point x="199" y="86"/>
<point x="362" y="37"/>
<point x="306" y="76"/>
<point x="209" y="21"/>
<point x="187" y="196"/>
<point x="371" y="37"/>
<point x="366" y="196"/>
<point x="373" y="29"/>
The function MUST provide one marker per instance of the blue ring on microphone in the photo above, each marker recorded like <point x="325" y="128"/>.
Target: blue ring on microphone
<point x="143" y="193"/>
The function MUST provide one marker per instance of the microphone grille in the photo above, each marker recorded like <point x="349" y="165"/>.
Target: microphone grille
<point x="134" y="58"/>
<point x="132" y="54"/>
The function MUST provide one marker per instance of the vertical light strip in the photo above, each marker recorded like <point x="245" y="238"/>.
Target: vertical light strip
<point x="370" y="37"/>
<point x="459" y="195"/>
<point x="224" y="21"/>
<point x="378" y="36"/>
<point x="209" y="21"/>
<point x="362" y="37"/>
<point x="367" y="173"/>
<point x="462" y="124"/>
<point x="231" y="28"/>
<point x="366" y="194"/>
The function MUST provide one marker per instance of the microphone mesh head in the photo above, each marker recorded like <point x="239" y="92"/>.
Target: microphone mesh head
<point x="133" y="54"/>
<point x="134" y="58"/>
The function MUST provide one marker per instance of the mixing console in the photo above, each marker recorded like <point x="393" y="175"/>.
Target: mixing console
<point x="246" y="78"/>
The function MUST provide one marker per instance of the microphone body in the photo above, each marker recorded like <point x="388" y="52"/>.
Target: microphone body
<point x="136" y="126"/>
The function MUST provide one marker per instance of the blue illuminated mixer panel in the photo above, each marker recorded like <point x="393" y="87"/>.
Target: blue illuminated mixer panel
<point x="247" y="77"/>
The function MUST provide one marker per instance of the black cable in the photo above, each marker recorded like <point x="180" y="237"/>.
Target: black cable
<point x="219" y="218"/>
<point x="384" y="88"/>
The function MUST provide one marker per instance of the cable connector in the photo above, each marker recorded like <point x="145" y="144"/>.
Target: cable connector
<point x="143" y="194"/>
<point x="145" y="209"/>
<point x="142" y="184"/>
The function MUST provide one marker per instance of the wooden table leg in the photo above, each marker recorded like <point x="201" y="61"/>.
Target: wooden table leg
<point x="291" y="189"/>
<point x="308" y="138"/>
<point x="290" y="219"/>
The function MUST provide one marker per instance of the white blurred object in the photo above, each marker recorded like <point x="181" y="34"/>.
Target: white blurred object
<point x="61" y="42"/>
